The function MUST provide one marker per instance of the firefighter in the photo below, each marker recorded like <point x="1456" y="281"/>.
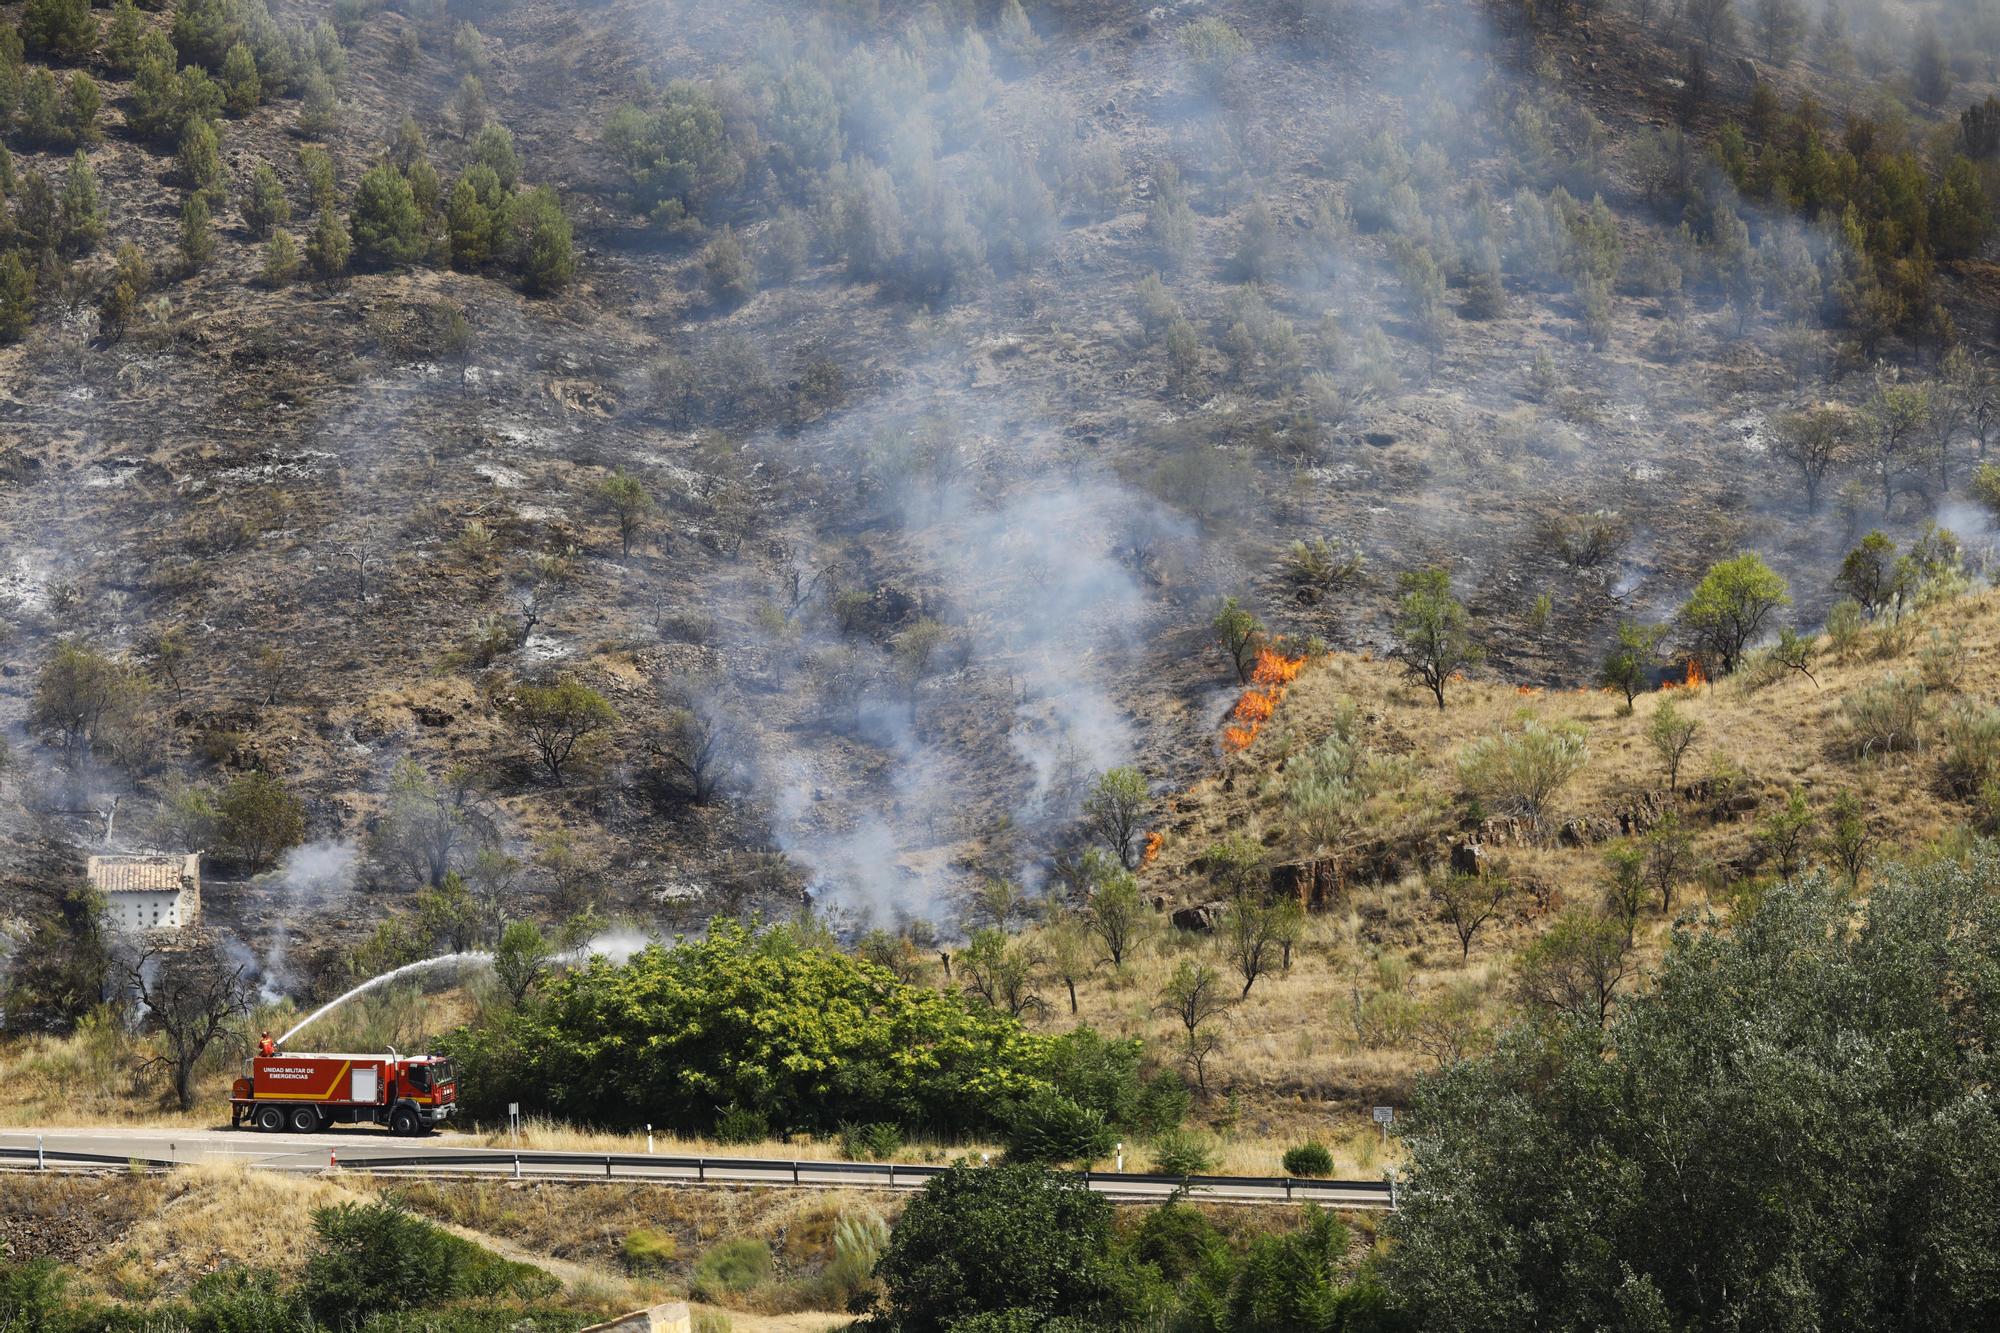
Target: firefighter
<point x="266" y="1047"/>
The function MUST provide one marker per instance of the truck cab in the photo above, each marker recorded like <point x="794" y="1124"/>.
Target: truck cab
<point x="306" y="1093"/>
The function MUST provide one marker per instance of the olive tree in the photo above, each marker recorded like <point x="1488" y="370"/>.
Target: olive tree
<point x="1114" y="809"/>
<point x="558" y="721"/>
<point x="1433" y="639"/>
<point x="1730" y="607"/>
<point x="190" y="993"/>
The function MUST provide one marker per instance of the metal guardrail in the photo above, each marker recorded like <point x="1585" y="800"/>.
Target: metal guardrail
<point x="730" y="1169"/>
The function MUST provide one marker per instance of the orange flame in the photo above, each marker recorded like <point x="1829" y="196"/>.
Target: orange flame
<point x="1154" y="841"/>
<point x="1693" y="679"/>
<point x="1268" y="679"/>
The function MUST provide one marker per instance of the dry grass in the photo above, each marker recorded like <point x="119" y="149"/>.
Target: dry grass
<point x="1295" y="1061"/>
<point x="212" y="1216"/>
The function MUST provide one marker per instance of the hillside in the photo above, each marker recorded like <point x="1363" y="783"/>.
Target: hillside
<point x="332" y="525"/>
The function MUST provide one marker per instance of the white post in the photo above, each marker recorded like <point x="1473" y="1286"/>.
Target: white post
<point x="517" y="1166"/>
<point x="41" y="1159"/>
<point x="1121" y="1157"/>
<point x="1392" y="1189"/>
<point x="649" y="1138"/>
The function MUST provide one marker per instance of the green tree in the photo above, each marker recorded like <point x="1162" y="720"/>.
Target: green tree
<point x="778" y="1023"/>
<point x="727" y="274"/>
<point x="1238" y="633"/>
<point x="387" y="228"/>
<point x="1434" y="641"/>
<point x="558" y="721"/>
<point x="81" y="103"/>
<point x="544" y="248"/>
<point x="197" y="233"/>
<point x="1815" y="441"/>
<point x="263" y="202"/>
<point x="1671" y="733"/>
<point x="281" y="259"/>
<point x="677" y="154"/>
<point x="123" y="37"/>
<point x="1114" y="809"/>
<point x="1693" y="1165"/>
<point x="260" y="818"/>
<point x="1013" y="1240"/>
<point x="1117" y="915"/>
<point x="17" y="296"/>
<point x="1628" y="667"/>
<point x="80" y="213"/>
<point x="65" y="29"/>
<point x="1520" y="772"/>
<point x="1730" y="607"/>
<point x="241" y="89"/>
<point x="628" y="501"/>
<point x="522" y="959"/>
<point x="198" y="160"/>
<point x="327" y="248"/>
<point x="1194" y="998"/>
<point x="493" y="148"/>
<point x="476" y="218"/>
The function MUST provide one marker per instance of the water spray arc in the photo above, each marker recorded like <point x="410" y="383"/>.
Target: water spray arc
<point x="372" y="982"/>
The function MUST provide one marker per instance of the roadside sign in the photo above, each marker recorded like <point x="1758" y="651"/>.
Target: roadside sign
<point x="1385" y="1115"/>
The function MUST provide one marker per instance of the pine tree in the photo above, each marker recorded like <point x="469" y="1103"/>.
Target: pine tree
<point x="198" y="161"/>
<point x="328" y="247"/>
<point x="17" y="297"/>
<point x="123" y="39"/>
<point x="197" y="233"/>
<point x="281" y="259"/>
<point x="61" y="28"/>
<point x="264" y="203"/>
<point x="240" y="86"/>
<point x="546" y="254"/>
<point x="80" y="214"/>
<point x="387" y="226"/>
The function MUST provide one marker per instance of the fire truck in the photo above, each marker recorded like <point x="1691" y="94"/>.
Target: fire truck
<point x="306" y="1093"/>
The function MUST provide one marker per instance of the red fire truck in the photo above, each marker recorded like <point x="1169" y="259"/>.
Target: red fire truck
<point x="305" y="1093"/>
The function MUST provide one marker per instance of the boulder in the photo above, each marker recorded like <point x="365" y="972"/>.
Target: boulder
<point x="1203" y="918"/>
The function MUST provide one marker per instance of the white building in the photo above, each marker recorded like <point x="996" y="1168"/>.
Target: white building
<point x="148" y="890"/>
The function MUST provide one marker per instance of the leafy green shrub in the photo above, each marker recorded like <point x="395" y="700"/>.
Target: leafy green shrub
<point x="1181" y="1152"/>
<point x="647" y="1248"/>
<point x="1049" y="1127"/>
<point x="1174" y="1238"/>
<point x="245" y="1300"/>
<point x="810" y="1036"/>
<point x="877" y="1141"/>
<point x="731" y="1267"/>
<point x="1522" y="771"/>
<point x="987" y="1240"/>
<point x="742" y="1124"/>
<point x="1309" y="1159"/>
<point x="376" y="1257"/>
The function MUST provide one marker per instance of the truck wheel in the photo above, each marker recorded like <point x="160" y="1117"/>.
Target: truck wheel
<point x="305" y="1120"/>
<point x="270" y="1119"/>
<point x="403" y="1121"/>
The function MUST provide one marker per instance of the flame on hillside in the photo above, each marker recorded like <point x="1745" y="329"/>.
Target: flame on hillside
<point x="1154" y="841"/>
<point x="1268" y="679"/>
<point x="1693" y="679"/>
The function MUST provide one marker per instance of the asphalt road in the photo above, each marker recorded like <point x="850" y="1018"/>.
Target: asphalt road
<point x="372" y="1149"/>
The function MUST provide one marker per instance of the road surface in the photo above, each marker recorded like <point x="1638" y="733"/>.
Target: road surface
<point x="371" y="1149"/>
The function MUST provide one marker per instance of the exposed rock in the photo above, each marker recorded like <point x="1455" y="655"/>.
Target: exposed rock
<point x="1205" y="918"/>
